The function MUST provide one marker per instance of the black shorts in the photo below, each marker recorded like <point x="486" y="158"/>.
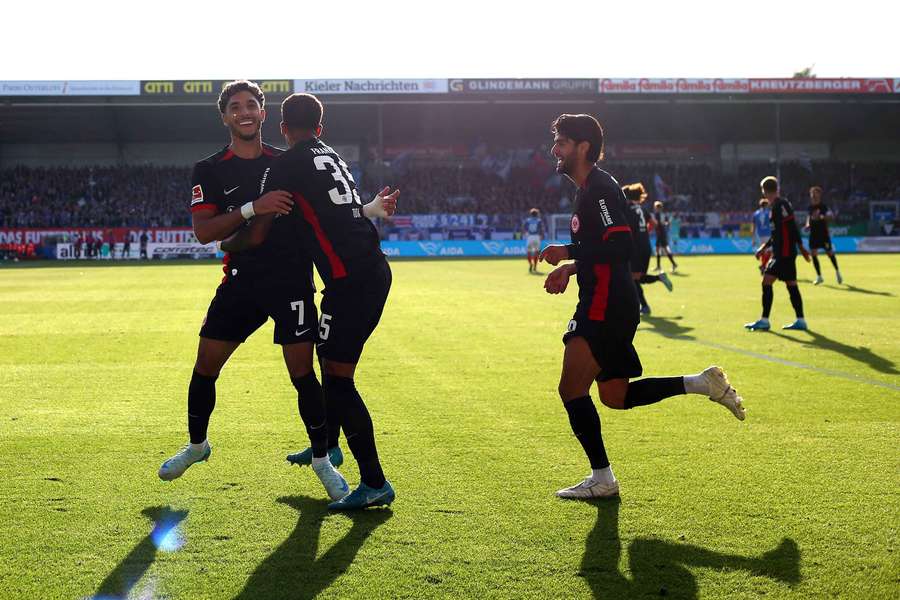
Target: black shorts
<point x="662" y="239"/>
<point x="784" y="268"/>
<point x="351" y="310"/>
<point x="640" y="262"/>
<point x="611" y="344"/>
<point x="241" y="307"/>
<point x="820" y="241"/>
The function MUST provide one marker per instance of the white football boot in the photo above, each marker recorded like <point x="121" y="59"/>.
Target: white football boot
<point x="332" y="480"/>
<point x="178" y="464"/>
<point x="590" y="489"/>
<point x="721" y="391"/>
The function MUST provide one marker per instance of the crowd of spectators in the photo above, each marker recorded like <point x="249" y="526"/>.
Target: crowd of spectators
<point x="146" y="196"/>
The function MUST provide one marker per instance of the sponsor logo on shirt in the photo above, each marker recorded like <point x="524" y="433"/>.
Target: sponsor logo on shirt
<point x="576" y="224"/>
<point x="196" y="195"/>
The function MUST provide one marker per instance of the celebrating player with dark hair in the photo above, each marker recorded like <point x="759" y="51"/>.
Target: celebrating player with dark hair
<point x="817" y="225"/>
<point x="783" y="244"/>
<point x="330" y="223"/>
<point x="273" y="280"/>
<point x="598" y="342"/>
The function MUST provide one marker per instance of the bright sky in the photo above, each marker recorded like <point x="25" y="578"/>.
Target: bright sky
<point x="188" y="39"/>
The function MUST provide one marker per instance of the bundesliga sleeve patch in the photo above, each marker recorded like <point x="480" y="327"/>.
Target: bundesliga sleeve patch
<point x="196" y="195"/>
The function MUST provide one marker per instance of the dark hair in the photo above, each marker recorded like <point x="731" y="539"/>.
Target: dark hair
<point x="240" y="85"/>
<point x="634" y="191"/>
<point x="581" y="128"/>
<point x="769" y="184"/>
<point x="302" y="111"/>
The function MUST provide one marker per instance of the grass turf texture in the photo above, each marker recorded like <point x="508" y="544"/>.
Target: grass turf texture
<point x="800" y="500"/>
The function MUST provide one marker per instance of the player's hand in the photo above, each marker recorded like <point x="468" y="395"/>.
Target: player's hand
<point x="383" y="205"/>
<point x="805" y="253"/>
<point x="558" y="280"/>
<point x="275" y="202"/>
<point x="554" y="253"/>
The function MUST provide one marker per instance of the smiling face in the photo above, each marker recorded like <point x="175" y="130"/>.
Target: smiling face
<point x="243" y="116"/>
<point x="567" y="153"/>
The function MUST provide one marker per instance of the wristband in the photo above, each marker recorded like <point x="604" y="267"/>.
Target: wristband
<point x="247" y="211"/>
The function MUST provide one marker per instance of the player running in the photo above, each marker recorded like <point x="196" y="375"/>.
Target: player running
<point x="331" y="224"/>
<point x="640" y="221"/>
<point x="533" y="231"/>
<point x="761" y="230"/>
<point x="817" y="225"/>
<point x="662" y="235"/>
<point x="273" y="280"/>
<point x="784" y="243"/>
<point x="598" y="343"/>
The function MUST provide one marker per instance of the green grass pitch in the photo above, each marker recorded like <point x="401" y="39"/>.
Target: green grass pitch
<point x="802" y="500"/>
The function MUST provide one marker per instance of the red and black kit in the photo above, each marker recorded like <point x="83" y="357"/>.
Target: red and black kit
<point x="785" y="241"/>
<point x="607" y="314"/>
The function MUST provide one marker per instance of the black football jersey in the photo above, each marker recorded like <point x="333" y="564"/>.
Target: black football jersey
<point x="638" y="219"/>
<point x="602" y="246"/>
<point x="818" y="226"/>
<point x="327" y="214"/>
<point x="224" y="182"/>
<point x="785" y="239"/>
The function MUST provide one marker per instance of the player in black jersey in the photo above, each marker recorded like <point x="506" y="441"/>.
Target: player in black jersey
<point x="273" y="280"/>
<point x="817" y="226"/>
<point x="784" y="243"/>
<point x="331" y="224"/>
<point x="600" y="335"/>
<point x="640" y="222"/>
<point x="662" y="235"/>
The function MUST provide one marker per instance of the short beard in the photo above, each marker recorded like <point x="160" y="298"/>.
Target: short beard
<point x="562" y="169"/>
<point x="247" y="138"/>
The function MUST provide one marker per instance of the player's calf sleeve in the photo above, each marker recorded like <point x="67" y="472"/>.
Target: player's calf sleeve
<point x="652" y="389"/>
<point x="201" y="402"/>
<point x="833" y="261"/>
<point x="796" y="300"/>
<point x="341" y="392"/>
<point x="767" y="297"/>
<point x="311" y="405"/>
<point x="585" y="424"/>
<point x="815" y="260"/>
<point x="648" y="278"/>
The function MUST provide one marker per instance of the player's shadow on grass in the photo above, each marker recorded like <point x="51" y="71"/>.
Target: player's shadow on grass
<point x="857" y="353"/>
<point x="292" y="571"/>
<point x="660" y="568"/>
<point x="669" y="328"/>
<point x="852" y="288"/>
<point x="119" y="583"/>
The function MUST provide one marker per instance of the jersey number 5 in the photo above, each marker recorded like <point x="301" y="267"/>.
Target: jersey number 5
<point x="342" y="193"/>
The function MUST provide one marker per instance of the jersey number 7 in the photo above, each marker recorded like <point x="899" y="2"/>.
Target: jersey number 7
<point x="342" y="193"/>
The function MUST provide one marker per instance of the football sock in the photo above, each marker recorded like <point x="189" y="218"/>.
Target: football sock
<point x="603" y="475"/>
<point x="648" y="278"/>
<point x="341" y="392"/>
<point x="585" y="424"/>
<point x="816" y="265"/>
<point x="651" y="390"/>
<point x="672" y="260"/>
<point x="640" y="293"/>
<point x="696" y="384"/>
<point x="796" y="300"/>
<point x="833" y="258"/>
<point x="657" y="261"/>
<point x="201" y="402"/>
<point x="767" y="296"/>
<point x="311" y="405"/>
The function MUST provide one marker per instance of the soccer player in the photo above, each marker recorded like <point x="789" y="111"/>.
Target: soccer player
<point x="273" y="280"/>
<point x="126" y="246"/>
<point x="143" y="242"/>
<point x="533" y="231"/>
<point x="662" y="235"/>
<point x="598" y="343"/>
<point x="332" y="225"/>
<point x="640" y="221"/>
<point x="817" y="225"/>
<point x="784" y="244"/>
<point x="761" y="229"/>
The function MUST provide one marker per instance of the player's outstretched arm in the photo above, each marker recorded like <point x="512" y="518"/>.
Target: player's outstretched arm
<point x="383" y="205"/>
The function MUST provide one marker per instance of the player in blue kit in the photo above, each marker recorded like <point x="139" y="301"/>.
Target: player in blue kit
<point x="533" y="232"/>
<point x="761" y="230"/>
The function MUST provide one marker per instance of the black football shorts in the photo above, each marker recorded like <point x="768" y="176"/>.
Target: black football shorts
<point x="783" y="268"/>
<point x="611" y="344"/>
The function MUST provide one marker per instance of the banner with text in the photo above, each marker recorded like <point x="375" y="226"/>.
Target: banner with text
<point x="539" y="86"/>
<point x="208" y="87"/>
<point x="70" y="88"/>
<point x="370" y="86"/>
<point x="882" y="85"/>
